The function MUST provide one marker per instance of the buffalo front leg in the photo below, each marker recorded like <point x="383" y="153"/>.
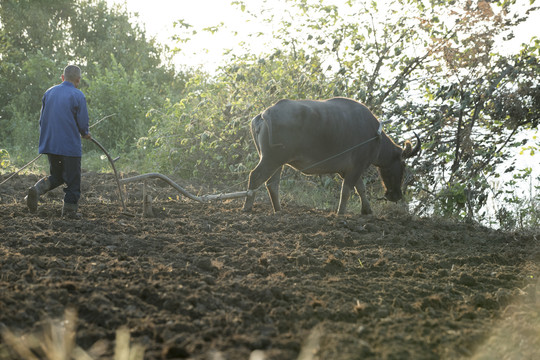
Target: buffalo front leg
<point x="361" y="189"/>
<point x="272" y="185"/>
<point x="257" y="177"/>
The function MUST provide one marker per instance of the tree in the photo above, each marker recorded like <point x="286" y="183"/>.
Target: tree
<point x="433" y="68"/>
<point x="207" y="132"/>
<point x="39" y="38"/>
<point x="476" y="110"/>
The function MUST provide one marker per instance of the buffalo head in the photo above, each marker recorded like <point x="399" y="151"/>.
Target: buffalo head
<point x="392" y="174"/>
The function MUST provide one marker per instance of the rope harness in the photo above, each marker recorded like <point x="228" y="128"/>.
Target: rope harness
<point x="378" y="136"/>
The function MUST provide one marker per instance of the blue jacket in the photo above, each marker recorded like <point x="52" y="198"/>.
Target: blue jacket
<point x="63" y="120"/>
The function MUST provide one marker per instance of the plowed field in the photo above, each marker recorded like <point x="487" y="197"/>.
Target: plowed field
<point x="207" y="281"/>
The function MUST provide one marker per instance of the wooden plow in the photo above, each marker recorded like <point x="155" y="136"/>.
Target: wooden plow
<point x="147" y="199"/>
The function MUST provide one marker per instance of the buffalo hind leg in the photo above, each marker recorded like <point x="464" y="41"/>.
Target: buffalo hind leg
<point x="272" y="185"/>
<point x="346" y="187"/>
<point x="361" y="189"/>
<point x="257" y="177"/>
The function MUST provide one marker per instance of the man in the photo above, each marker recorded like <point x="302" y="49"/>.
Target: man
<point x="63" y="121"/>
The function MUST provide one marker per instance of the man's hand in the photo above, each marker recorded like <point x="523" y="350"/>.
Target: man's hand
<point x="87" y="136"/>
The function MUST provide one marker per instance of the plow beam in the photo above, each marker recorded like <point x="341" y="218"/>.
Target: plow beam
<point x="203" y="198"/>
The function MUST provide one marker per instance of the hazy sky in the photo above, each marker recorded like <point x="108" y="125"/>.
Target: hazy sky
<point x="158" y="17"/>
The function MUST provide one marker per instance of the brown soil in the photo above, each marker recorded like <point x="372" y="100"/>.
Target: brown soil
<point x="207" y="281"/>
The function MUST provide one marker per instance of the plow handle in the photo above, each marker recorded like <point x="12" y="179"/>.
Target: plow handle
<point x="115" y="172"/>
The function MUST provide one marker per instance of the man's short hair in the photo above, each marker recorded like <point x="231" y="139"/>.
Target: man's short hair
<point x="72" y="73"/>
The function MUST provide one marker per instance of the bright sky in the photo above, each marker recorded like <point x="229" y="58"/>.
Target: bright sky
<point x="207" y="50"/>
<point x="158" y="17"/>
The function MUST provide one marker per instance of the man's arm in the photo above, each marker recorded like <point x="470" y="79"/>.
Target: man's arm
<point x="82" y="118"/>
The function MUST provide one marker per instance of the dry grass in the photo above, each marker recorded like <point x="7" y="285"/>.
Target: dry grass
<point x="56" y="341"/>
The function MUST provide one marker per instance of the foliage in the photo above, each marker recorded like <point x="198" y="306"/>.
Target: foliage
<point x="475" y="111"/>
<point x="519" y="211"/>
<point x="436" y="68"/>
<point x="207" y="134"/>
<point x="477" y="100"/>
<point x="4" y="159"/>
<point x="432" y="69"/>
<point x="126" y="97"/>
<point x="38" y="39"/>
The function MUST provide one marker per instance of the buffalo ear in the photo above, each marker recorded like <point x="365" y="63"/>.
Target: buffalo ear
<point x="408" y="151"/>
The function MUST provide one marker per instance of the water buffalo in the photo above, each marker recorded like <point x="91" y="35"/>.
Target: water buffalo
<point x="338" y="135"/>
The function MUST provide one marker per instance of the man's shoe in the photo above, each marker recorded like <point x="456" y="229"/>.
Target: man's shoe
<point x="69" y="211"/>
<point x="32" y="198"/>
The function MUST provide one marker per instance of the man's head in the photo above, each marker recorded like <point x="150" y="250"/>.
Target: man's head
<point x="72" y="74"/>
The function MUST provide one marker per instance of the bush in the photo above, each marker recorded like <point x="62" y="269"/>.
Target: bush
<point x="128" y="97"/>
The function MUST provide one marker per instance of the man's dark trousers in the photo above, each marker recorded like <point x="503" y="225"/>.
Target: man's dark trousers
<point x="66" y="169"/>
